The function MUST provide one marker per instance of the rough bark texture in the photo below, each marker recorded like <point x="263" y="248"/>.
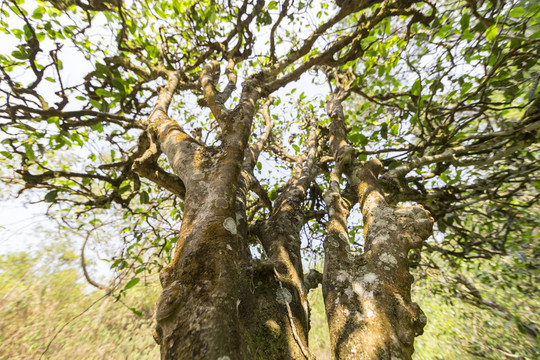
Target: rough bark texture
<point x="216" y="303"/>
<point x="367" y="296"/>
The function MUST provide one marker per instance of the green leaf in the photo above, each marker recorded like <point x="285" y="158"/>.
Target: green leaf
<point x="259" y="165"/>
<point x="465" y="19"/>
<point x="417" y="87"/>
<point x="19" y="55"/>
<point x="384" y="131"/>
<point x="123" y="189"/>
<point x="116" y="263"/>
<point x="394" y="129"/>
<point x="7" y="154"/>
<point x="535" y="36"/>
<point x="131" y="283"/>
<point x="30" y="152"/>
<point x="517" y="12"/>
<point x="491" y="32"/>
<point x="51" y="196"/>
<point x="102" y="92"/>
<point x="145" y="199"/>
<point x="168" y="246"/>
<point x="441" y="226"/>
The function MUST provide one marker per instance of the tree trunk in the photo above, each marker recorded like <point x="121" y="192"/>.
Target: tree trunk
<point x="217" y="303"/>
<point x="367" y="299"/>
<point x="368" y="296"/>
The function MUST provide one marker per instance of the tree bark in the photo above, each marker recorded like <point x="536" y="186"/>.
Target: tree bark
<point x="217" y="303"/>
<point x="368" y="296"/>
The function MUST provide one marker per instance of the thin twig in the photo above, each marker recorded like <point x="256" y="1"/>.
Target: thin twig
<point x="69" y="322"/>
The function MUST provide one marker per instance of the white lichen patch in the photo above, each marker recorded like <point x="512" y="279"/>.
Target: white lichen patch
<point x="222" y="203"/>
<point x="388" y="259"/>
<point x="230" y="225"/>
<point x="403" y="212"/>
<point x="370" y="278"/>
<point x="358" y="288"/>
<point x="198" y="176"/>
<point x="343" y="237"/>
<point x="383" y="212"/>
<point x="328" y="197"/>
<point x="283" y="296"/>
<point x="239" y="217"/>
<point x="229" y="247"/>
<point x="342" y="276"/>
<point x="224" y="358"/>
<point x="381" y="238"/>
<point x="333" y="242"/>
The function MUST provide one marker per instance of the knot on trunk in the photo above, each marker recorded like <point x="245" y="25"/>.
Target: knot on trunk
<point x="167" y="305"/>
<point x="417" y="224"/>
<point x="169" y="301"/>
<point x="312" y="279"/>
<point x="411" y="321"/>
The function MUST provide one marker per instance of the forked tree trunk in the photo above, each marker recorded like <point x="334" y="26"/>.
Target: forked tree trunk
<point x="367" y="299"/>
<point x="368" y="296"/>
<point x="217" y="303"/>
<point x="220" y="303"/>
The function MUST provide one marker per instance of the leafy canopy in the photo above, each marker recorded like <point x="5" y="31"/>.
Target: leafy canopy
<point x="445" y="95"/>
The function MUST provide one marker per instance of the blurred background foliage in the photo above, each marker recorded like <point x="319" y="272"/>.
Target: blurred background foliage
<point x="48" y="310"/>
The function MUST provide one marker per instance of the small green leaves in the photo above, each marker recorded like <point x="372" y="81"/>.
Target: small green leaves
<point x="6" y="154"/>
<point x="359" y="138"/>
<point x="51" y="196"/>
<point x="491" y="32"/>
<point x="417" y="87"/>
<point x="517" y="12"/>
<point x="131" y="283"/>
<point x="144" y="198"/>
<point x="264" y="18"/>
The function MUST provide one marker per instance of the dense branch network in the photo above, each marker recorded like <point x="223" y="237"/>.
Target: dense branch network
<point x="446" y="129"/>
